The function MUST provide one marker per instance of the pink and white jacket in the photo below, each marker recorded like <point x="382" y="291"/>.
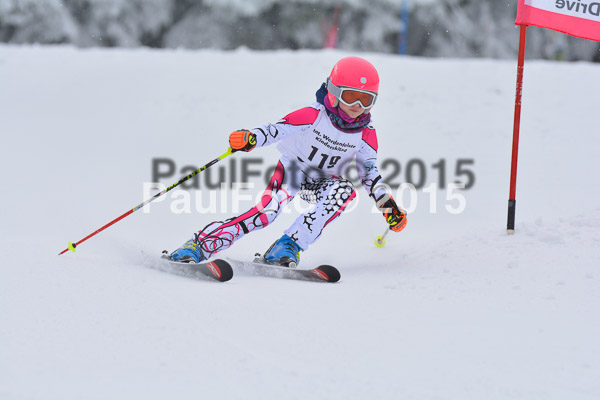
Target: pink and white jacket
<point x="308" y="137"/>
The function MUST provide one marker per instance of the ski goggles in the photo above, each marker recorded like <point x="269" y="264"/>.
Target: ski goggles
<point x="351" y="96"/>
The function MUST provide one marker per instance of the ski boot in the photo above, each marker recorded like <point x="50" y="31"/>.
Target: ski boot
<point x="190" y="252"/>
<point x="284" y="252"/>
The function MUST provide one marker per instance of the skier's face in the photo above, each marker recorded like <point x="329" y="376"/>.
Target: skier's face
<point x="353" y="111"/>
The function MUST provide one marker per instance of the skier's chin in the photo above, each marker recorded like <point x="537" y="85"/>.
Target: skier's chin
<point x="354" y="113"/>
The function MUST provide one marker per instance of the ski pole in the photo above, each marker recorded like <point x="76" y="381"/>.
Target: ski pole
<point x="72" y="245"/>
<point x="380" y="241"/>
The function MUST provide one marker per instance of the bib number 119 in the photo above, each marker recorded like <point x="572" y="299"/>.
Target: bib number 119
<point x="324" y="157"/>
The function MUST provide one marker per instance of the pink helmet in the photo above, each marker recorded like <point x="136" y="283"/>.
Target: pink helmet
<point x="353" y="72"/>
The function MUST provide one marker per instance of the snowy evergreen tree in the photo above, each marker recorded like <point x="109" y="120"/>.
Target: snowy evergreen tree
<point x="36" y="21"/>
<point x="121" y="23"/>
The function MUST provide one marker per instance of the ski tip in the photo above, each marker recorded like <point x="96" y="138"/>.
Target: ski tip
<point x="328" y="273"/>
<point x="221" y="270"/>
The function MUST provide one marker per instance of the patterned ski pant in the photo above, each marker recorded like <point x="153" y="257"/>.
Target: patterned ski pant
<point x="328" y="195"/>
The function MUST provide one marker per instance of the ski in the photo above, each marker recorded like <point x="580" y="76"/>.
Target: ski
<point x="218" y="269"/>
<point x="322" y="273"/>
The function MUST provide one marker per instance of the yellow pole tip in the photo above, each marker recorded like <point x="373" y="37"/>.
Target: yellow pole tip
<point x="72" y="246"/>
<point x="379" y="242"/>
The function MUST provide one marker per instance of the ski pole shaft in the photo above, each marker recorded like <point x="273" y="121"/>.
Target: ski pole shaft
<point x="72" y="245"/>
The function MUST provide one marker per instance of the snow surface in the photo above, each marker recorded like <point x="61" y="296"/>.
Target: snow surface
<point x="451" y="308"/>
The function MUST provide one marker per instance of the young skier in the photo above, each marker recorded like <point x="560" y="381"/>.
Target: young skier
<point x="316" y="143"/>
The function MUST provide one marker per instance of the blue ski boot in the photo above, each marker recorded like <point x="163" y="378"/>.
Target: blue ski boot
<point x="190" y="252"/>
<point x="284" y="252"/>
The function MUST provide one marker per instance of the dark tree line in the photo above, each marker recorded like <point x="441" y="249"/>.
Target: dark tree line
<point x="449" y="28"/>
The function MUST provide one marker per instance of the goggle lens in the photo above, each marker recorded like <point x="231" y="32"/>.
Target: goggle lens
<point x="352" y="96"/>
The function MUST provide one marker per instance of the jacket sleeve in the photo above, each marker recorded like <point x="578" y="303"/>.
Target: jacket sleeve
<point x="366" y="163"/>
<point x="293" y="123"/>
